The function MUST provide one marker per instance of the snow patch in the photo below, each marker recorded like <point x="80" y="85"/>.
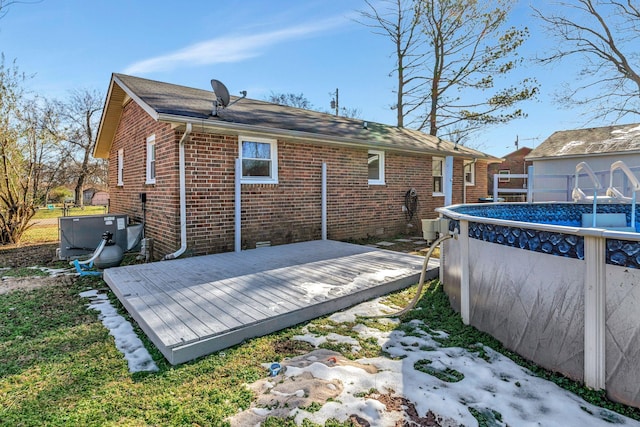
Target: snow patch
<point x="127" y="341"/>
<point x="490" y="383"/>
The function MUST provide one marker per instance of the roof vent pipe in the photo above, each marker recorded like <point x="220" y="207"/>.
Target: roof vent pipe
<point x="183" y="198"/>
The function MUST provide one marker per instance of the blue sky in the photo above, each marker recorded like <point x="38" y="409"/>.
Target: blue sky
<point x="310" y="47"/>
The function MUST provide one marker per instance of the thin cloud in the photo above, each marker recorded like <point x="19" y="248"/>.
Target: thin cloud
<point x="229" y="48"/>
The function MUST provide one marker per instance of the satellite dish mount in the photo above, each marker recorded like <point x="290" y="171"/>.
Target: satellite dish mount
<point x="222" y="96"/>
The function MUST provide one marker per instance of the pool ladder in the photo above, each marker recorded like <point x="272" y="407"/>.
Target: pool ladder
<point x="612" y="193"/>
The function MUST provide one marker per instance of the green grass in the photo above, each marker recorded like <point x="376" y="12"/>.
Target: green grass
<point x="486" y="417"/>
<point x="23" y="272"/>
<point x="59" y="366"/>
<point x="57" y="211"/>
<point x="39" y="234"/>
<point x="448" y="375"/>
<point x="438" y="314"/>
<point x="48" y="233"/>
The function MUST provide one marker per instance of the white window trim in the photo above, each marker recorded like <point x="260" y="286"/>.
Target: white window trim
<point x="121" y="167"/>
<point x="472" y="165"/>
<point x="273" y="179"/>
<point x="151" y="141"/>
<point x="444" y="174"/>
<point x="380" y="155"/>
<point x="504" y="172"/>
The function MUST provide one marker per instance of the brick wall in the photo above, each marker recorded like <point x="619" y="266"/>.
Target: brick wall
<point x="515" y="163"/>
<point x="469" y="193"/>
<point x="162" y="198"/>
<point x="284" y="213"/>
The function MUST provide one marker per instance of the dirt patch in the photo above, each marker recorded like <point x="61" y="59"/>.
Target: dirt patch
<point x="280" y="395"/>
<point x="277" y="396"/>
<point x="292" y="347"/>
<point x="42" y="255"/>
<point x="28" y="256"/>
<point x="10" y="284"/>
<point x="398" y="403"/>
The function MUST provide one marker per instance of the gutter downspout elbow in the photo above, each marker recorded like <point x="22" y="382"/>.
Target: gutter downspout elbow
<point x="183" y="198"/>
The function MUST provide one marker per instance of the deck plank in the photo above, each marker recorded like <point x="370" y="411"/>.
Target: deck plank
<point x="194" y="306"/>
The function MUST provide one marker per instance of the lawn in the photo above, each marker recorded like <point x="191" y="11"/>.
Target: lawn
<point x="59" y="365"/>
<point x="47" y="232"/>
<point x="58" y="211"/>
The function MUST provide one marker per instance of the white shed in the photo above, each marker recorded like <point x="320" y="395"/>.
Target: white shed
<point x="554" y="161"/>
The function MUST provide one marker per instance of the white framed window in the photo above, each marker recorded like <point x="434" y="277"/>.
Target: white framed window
<point x="259" y="159"/>
<point x="504" y="172"/>
<point x="437" y="172"/>
<point x="151" y="160"/>
<point x="469" y="172"/>
<point x="376" y="167"/>
<point x="121" y="167"/>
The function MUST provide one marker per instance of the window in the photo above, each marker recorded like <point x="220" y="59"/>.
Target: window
<point x="504" y="172"/>
<point x="469" y="172"/>
<point x="120" y="167"/>
<point x="151" y="160"/>
<point x="437" y="171"/>
<point x="376" y="167"/>
<point x="259" y="159"/>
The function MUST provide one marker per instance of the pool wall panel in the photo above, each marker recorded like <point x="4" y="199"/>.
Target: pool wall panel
<point x="450" y="276"/>
<point x="622" y="334"/>
<point x="531" y="302"/>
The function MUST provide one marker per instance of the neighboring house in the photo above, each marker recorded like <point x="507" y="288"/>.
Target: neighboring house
<point x="513" y="163"/>
<point x="100" y="198"/>
<point x="92" y="196"/>
<point x="156" y="133"/>
<point x="87" y="195"/>
<point x="554" y="161"/>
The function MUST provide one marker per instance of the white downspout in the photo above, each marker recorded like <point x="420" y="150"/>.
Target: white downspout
<point x="238" y="206"/>
<point x="183" y="198"/>
<point x="448" y="181"/>
<point x="323" y="198"/>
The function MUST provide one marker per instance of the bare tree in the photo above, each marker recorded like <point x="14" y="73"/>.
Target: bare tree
<point x="290" y="99"/>
<point x="300" y="101"/>
<point x="398" y="20"/>
<point x="42" y="146"/>
<point x="457" y="63"/>
<point x="469" y="52"/>
<point x="351" y="113"/>
<point x="16" y="171"/>
<point x="81" y="113"/>
<point x="6" y="4"/>
<point x="604" y="35"/>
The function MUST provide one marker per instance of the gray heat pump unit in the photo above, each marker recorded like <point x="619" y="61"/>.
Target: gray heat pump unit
<point x="81" y="235"/>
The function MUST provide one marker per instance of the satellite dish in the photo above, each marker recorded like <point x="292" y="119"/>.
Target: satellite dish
<point x="221" y="92"/>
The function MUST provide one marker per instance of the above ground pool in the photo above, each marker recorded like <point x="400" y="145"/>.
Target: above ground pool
<point x="552" y="285"/>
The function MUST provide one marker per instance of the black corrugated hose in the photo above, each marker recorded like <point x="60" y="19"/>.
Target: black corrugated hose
<point x="411" y="203"/>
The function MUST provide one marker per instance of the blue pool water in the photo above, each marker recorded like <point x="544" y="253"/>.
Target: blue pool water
<point x="563" y="243"/>
<point x="566" y="214"/>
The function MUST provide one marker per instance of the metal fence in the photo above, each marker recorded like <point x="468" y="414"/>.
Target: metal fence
<point x="43" y="228"/>
<point x="558" y="187"/>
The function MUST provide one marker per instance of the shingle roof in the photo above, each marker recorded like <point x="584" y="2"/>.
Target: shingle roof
<point x="519" y="152"/>
<point x="173" y="102"/>
<point x="592" y="141"/>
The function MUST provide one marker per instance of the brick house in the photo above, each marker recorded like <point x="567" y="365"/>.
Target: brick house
<point x="370" y="169"/>
<point x="515" y="163"/>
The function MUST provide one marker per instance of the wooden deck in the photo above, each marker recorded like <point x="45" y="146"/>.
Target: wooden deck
<point x="195" y="306"/>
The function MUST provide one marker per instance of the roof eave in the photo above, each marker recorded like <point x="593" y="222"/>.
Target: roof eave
<point x="580" y="156"/>
<point x="111" y="112"/>
<point x="241" y="128"/>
